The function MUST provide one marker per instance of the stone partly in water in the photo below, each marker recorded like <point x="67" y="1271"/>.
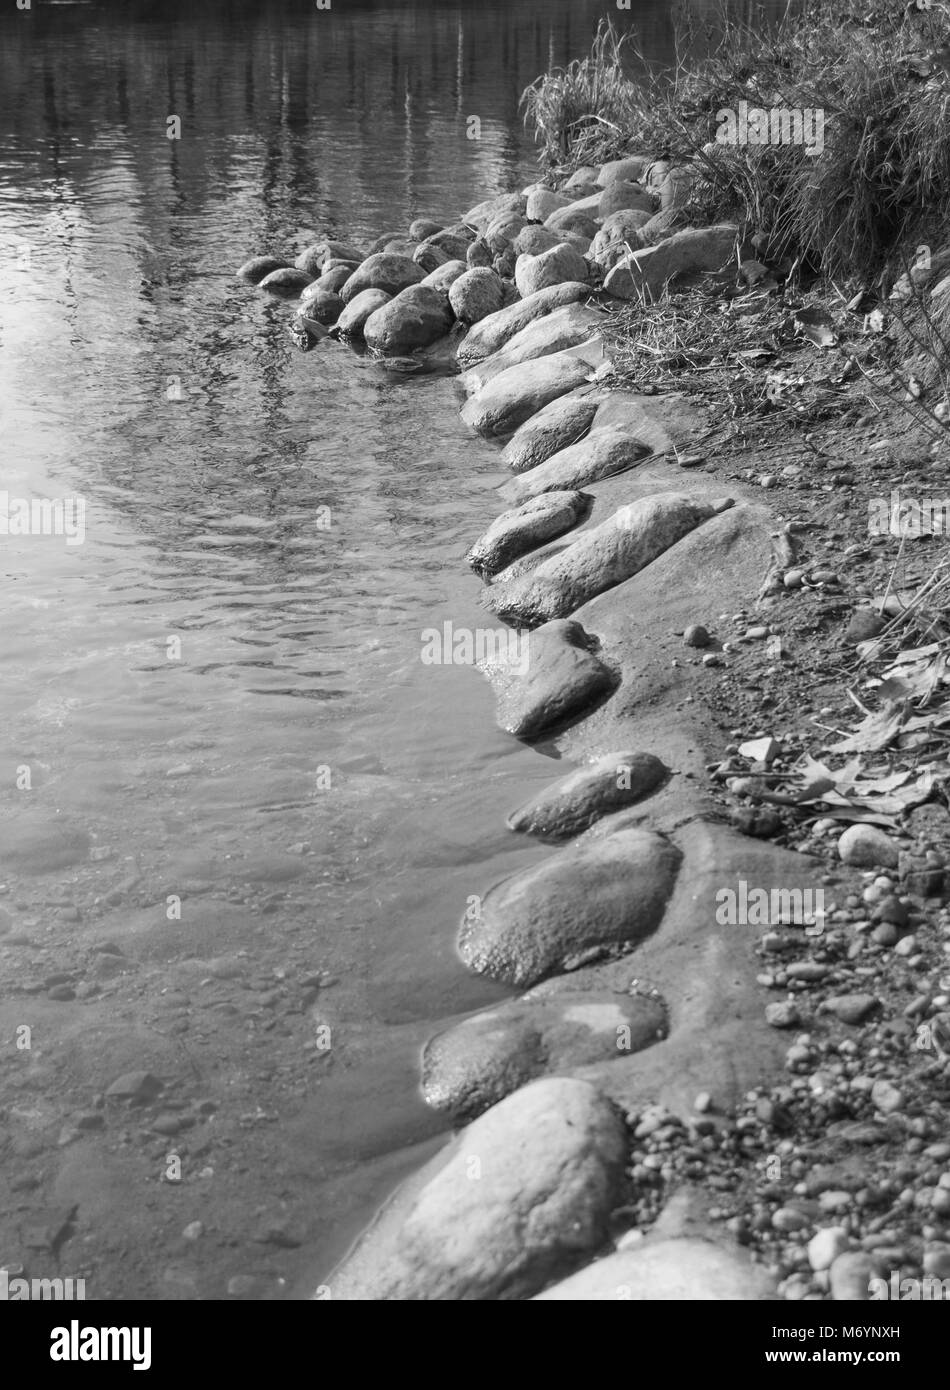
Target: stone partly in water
<point x="288" y="282"/>
<point x="324" y="307"/>
<point x="382" y="272"/>
<point x="476" y="294"/>
<point x="483" y="1059"/>
<point x="423" y="227"/>
<point x="416" y="317"/>
<point x="333" y="278"/>
<point x="601" y="454"/>
<point x="354" y="316"/>
<point x="258" y="267"/>
<point x="563" y="422"/>
<point x="557" y="266"/>
<point x="493" y="332"/>
<point x="573" y="804"/>
<point x="686" y="1269"/>
<point x="313" y="259"/>
<point x="513" y="396"/>
<point x="516" y="532"/>
<point x="602" y="557"/>
<point x="548" y="1169"/>
<point x="647" y="271"/>
<point x="543" y="679"/>
<point x="605" y="892"/>
<point x="563" y="328"/>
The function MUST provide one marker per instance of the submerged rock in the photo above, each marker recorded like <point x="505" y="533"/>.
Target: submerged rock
<point x="483" y="1059"/>
<point x="493" y="332"/>
<point x="416" y="317"/>
<point x="573" y="804"/>
<point x="382" y="272"/>
<point x="563" y="422"/>
<point x="361" y="306"/>
<point x="605" y="891"/>
<point x="287" y="281"/>
<point x="522" y="529"/>
<point x="602" y="453"/>
<point x="602" y="557"/>
<point x="258" y="267"/>
<point x="476" y="294"/>
<point x="514" y="395"/>
<point x="549" y="1163"/>
<point x="557" y="266"/>
<point x="547" y="678"/>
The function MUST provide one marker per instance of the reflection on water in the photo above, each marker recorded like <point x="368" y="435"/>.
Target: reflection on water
<point x="266" y="533"/>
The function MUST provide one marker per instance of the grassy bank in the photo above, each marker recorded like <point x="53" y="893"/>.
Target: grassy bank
<point x="878" y="186"/>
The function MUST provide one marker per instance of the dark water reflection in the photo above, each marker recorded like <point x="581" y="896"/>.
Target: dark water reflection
<point x="136" y="373"/>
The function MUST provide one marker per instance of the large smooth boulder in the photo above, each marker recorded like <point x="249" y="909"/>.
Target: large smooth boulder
<point x="532" y="240"/>
<point x="553" y="676"/>
<point x="361" y="306"/>
<point x="326" y="308"/>
<point x="582" y="179"/>
<point x="489" y="208"/>
<point x="422" y="227"/>
<point x="562" y="328"/>
<point x="571" y="805"/>
<point x="402" y="246"/>
<point x="604" y="892"/>
<point x="684" y="1270"/>
<point x="660" y="226"/>
<point x="602" y="557"/>
<point x="493" y="332"/>
<point x="563" y="422"/>
<point x="382" y="272"/>
<point x="476" y="294"/>
<point x="513" y="396"/>
<point x="313" y="258"/>
<point x="333" y="277"/>
<point x="454" y="240"/>
<point x="522" y="1196"/>
<point x="444" y="276"/>
<point x="630" y="168"/>
<point x="554" y="267"/>
<point x="582" y="219"/>
<point x="524" y="528"/>
<point x="288" y="282"/>
<point x="600" y="454"/>
<point x="254" y="270"/>
<point x="542" y="202"/>
<point x="474" y="1065"/>
<point x="416" y="317"/>
<point x="623" y="197"/>
<point x="647" y="271"/>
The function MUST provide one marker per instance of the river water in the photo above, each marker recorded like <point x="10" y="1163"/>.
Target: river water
<point x="218" y="696"/>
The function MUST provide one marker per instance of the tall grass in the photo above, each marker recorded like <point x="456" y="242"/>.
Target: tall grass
<point x="883" y="178"/>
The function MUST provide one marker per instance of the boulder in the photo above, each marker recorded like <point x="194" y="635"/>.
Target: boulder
<point x="288" y="281"/>
<point x="532" y="240"/>
<point x="495" y="330"/>
<point x="560" y="677"/>
<point x="524" y="1194"/>
<point x="676" y="188"/>
<point x="618" y="237"/>
<point x="403" y="246"/>
<point x="324" y="307"/>
<point x="501" y="232"/>
<point x="647" y="271"/>
<point x="656" y="174"/>
<point x="542" y="202"/>
<point x="660" y="226"/>
<point x="602" y="557"/>
<point x="562" y="423"/>
<point x="476" y="294"/>
<point x="562" y="328"/>
<point x="478" y="253"/>
<point x="382" y="241"/>
<point x="445" y="276"/>
<point x="574" y="219"/>
<point x="454" y="240"/>
<point x="258" y="267"/>
<point x="524" y="528"/>
<point x="504" y="263"/>
<point x="625" y="197"/>
<point x="423" y="227"/>
<point x="629" y="169"/>
<point x="601" y="454"/>
<point x="482" y="213"/>
<point x="313" y="258"/>
<point x="382" y="272"/>
<point x="559" y="265"/>
<point x="474" y="1065"/>
<point x="361" y="306"/>
<point x="603" y="893"/>
<point x="581" y="180"/>
<point x="570" y="806"/>
<point x="333" y="278"/>
<point x="414" y="318"/>
<point x="514" y="395"/>
<point x="684" y="1270"/>
<point x="429" y="257"/>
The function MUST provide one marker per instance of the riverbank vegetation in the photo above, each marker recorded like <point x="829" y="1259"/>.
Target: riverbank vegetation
<point x="878" y="182"/>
